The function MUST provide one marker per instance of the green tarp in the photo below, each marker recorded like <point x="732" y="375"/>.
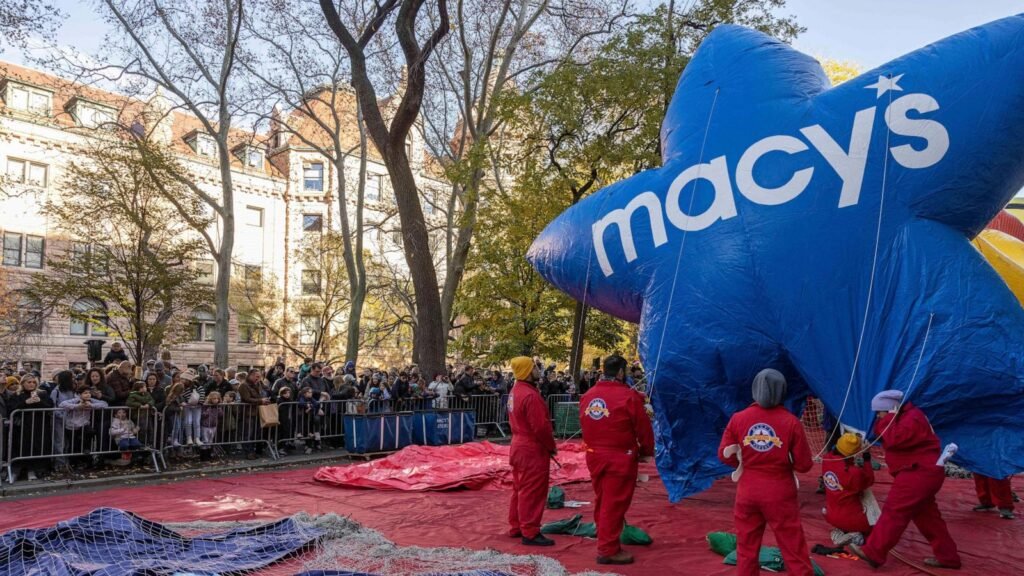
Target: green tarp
<point x="574" y="526"/>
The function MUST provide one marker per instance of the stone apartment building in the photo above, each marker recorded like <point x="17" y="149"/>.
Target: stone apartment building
<point x="284" y="190"/>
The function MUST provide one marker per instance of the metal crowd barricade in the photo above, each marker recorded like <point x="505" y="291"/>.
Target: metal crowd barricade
<point x="238" y="427"/>
<point x="74" y="433"/>
<point x="297" y="424"/>
<point x="486" y="407"/>
<point x="554" y="400"/>
<point x="3" y="447"/>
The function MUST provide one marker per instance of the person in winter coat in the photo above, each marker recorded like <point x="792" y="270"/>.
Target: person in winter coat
<point x="63" y="390"/>
<point x="847" y="475"/>
<point x="912" y="453"/>
<point x="120" y="381"/>
<point x="766" y="444"/>
<point x="124" y="434"/>
<point x="533" y="447"/>
<point x="143" y="408"/>
<point x="617" y="433"/>
<point x="286" y="407"/>
<point x="116" y="354"/>
<point x="79" y="428"/>
<point x="212" y="412"/>
<point x="193" y="395"/>
<point x="32" y="426"/>
<point x="310" y="414"/>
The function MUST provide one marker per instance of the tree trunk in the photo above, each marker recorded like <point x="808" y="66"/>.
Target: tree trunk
<point x="579" y="329"/>
<point x="357" y="285"/>
<point x="429" y="340"/>
<point x="457" y="263"/>
<point x="227" y="244"/>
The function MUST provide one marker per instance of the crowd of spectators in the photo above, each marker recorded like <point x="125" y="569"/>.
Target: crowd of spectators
<point x="86" y="418"/>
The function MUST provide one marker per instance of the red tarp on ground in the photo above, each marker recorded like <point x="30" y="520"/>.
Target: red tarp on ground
<point x="474" y="519"/>
<point x="476" y="466"/>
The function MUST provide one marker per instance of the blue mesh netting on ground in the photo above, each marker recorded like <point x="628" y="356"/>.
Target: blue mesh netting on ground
<point x="109" y="542"/>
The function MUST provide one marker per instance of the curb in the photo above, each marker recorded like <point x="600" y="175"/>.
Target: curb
<point x="25" y="490"/>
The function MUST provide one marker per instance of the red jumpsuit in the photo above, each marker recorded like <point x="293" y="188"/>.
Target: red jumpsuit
<point x="773" y="445"/>
<point x="994" y="492"/>
<point x="911" y="450"/>
<point x="533" y="443"/>
<point x="617" y="433"/>
<point x="844" y="484"/>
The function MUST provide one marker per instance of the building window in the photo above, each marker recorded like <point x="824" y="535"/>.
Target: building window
<point x="312" y="222"/>
<point x="26" y="172"/>
<point x="34" y="246"/>
<point x="252" y="274"/>
<point x="408" y="148"/>
<point x="90" y="116"/>
<point x="12" y="249"/>
<point x="28" y="99"/>
<point x="254" y="216"/>
<point x="23" y="250"/>
<point x="250" y="156"/>
<point x="373" y="185"/>
<point x="313" y="176"/>
<point x="201" y="325"/>
<point x="310" y="282"/>
<point x="203" y="144"/>
<point x="308" y="328"/>
<point x="90" y="258"/>
<point x="396" y="237"/>
<point x="204" y="272"/>
<point x="250" y="331"/>
<point x="254" y="158"/>
<point x="89" y="317"/>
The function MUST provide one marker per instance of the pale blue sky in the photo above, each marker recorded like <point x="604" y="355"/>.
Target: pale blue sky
<point x="867" y="32"/>
<point x="872" y="32"/>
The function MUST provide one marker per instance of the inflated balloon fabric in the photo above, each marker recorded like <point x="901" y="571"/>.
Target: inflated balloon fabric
<point x="820" y="231"/>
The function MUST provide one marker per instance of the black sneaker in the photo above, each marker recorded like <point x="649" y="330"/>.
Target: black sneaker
<point x="984" y="508"/>
<point x="1006" y="514"/>
<point x="538" y="540"/>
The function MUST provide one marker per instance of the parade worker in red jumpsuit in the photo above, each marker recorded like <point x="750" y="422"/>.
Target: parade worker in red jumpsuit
<point x="533" y="446"/>
<point x="911" y="453"/>
<point x="847" y="474"/>
<point x="617" y="433"/>
<point x="766" y="443"/>
<point x="994" y="493"/>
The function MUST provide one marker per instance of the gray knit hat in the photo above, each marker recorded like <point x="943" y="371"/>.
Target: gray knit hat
<point x="769" y="389"/>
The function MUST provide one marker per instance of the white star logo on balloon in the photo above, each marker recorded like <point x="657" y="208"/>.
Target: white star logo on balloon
<point x="886" y="83"/>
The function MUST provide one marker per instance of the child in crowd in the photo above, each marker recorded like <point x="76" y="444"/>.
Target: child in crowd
<point x="192" y="396"/>
<point x="141" y="402"/>
<point x="286" y="419"/>
<point x="212" y="413"/>
<point x="79" y="431"/>
<point x="124" y="433"/>
<point x="309" y="416"/>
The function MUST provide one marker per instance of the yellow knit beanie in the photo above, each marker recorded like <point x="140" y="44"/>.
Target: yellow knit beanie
<point x="848" y="444"/>
<point x="522" y="366"/>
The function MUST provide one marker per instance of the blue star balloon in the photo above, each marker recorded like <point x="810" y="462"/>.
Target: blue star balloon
<point x="821" y="231"/>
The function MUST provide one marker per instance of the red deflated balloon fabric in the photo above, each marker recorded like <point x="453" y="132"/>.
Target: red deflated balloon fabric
<point x="1008" y="224"/>
<point x="473" y="466"/>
